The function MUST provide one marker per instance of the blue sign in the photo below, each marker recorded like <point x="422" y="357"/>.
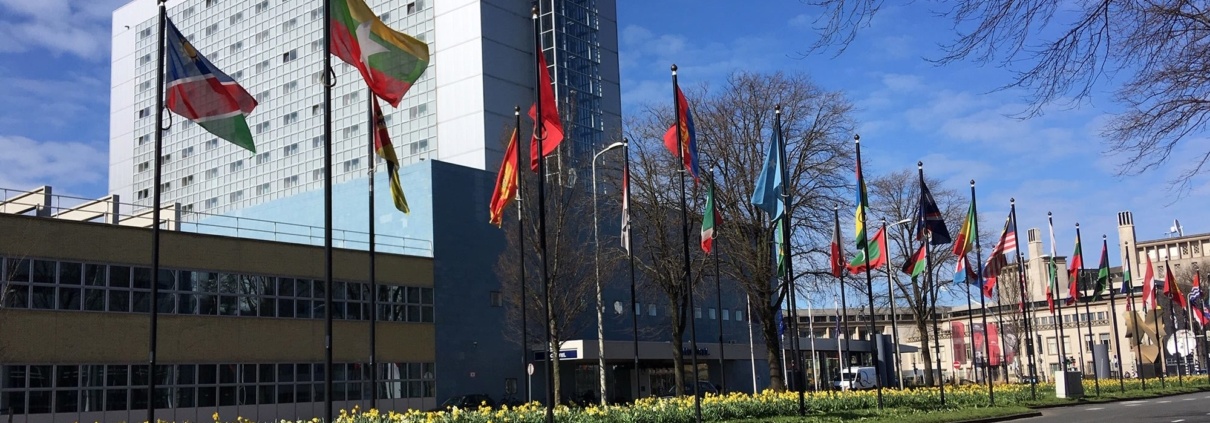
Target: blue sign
<point x="563" y="355"/>
<point x="700" y="351"/>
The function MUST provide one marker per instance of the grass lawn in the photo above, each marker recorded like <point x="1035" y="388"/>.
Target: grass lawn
<point x="897" y="416"/>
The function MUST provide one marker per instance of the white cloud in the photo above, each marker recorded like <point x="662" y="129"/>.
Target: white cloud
<point x="28" y="163"/>
<point x="79" y="28"/>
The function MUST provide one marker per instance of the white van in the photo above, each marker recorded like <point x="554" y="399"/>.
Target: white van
<point x="856" y="378"/>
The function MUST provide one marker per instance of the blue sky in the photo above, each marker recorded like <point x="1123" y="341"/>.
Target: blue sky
<point x="54" y="59"/>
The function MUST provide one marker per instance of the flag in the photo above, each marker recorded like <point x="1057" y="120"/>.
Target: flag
<point x="878" y="256"/>
<point x="1102" y="272"/>
<point x="962" y="244"/>
<point x="626" y="207"/>
<point x="917" y="262"/>
<point x="781" y="324"/>
<point x="200" y="92"/>
<point x="1172" y="291"/>
<point x="781" y="248"/>
<point x="1127" y="289"/>
<point x="1073" y="274"/>
<point x="384" y="149"/>
<point x="389" y="61"/>
<point x="860" y="208"/>
<point x="837" y="257"/>
<point x="552" y="126"/>
<point x="1195" y="293"/>
<point x="767" y="194"/>
<point x="1149" y="285"/>
<point x="1052" y="288"/>
<point x="999" y="256"/>
<point x="930" y="224"/>
<point x="710" y="218"/>
<point x="964" y="273"/>
<point x="688" y="141"/>
<point x="506" y="181"/>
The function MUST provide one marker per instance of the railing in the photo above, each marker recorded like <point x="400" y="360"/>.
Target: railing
<point x="110" y="210"/>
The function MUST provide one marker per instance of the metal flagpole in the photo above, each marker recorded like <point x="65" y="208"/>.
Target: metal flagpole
<point x="1113" y="312"/>
<point x="814" y="356"/>
<point x="970" y="325"/>
<point x="1159" y="340"/>
<point x="718" y="292"/>
<point x="680" y="141"/>
<point x="751" y="345"/>
<point x="1180" y="376"/>
<point x="1138" y="351"/>
<point x="329" y="81"/>
<point x="898" y="369"/>
<point x="869" y="287"/>
<point x="524" y="303"/>
<point x="792" y="292"/>
<point x="987" y="349"/>
<point x="540" y="135"/>
<point x="1026" y="304"/>
<point x="1096" y="381"/>
<point x="933" y="293"/>
<point x="373" y="124"/>
<point x="153" y="327"/>
<point x="1058" y="302"/>
<point x="634" y="321"/>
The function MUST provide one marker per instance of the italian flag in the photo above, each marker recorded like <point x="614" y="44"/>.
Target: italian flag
<point x="710" y="218"/>
<point x="390" y="61"/>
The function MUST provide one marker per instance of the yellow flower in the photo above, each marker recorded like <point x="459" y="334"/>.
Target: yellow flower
<point x="215" y="416"/>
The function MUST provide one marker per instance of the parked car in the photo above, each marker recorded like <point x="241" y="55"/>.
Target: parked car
<point x="856" y="378"/>
<point x="470" y="401"/>
<point x="703" y="388"/>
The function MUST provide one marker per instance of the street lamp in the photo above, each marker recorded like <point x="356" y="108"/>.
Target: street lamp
<point x="596" y="249"/>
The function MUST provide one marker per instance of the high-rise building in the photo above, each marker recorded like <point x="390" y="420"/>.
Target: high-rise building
<point x="457" y="112"/>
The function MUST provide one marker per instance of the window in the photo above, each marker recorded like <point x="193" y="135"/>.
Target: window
<point x="1052" y="348"/>
<point x="262" y="66"/>
<point x="166" y="158"/>
<point x="417" y="110"/>
<point x="316" y="110"/>
<point x="317" y="175"/>
<point x="143" y="193"/>
<point x="165" y="187"/>
<point x="211" y="3"/>
<point x="263" y="189"/>
<point x="289" y="150"/>
<point x="236" y="166"/>
<point x="289" y="87"/>
<point x="188" y="151"/>
<point x="290" y="117"/>
<point x="145" y="85"/>
<point x="385" y="16"/>
<point x="317" y="13"/>
<point x="238" y="16"/>
<point x="495" y="299"/>
<point x="713" y="313"/>
<point x="262" y="37"/>
<point x="697" y="312"/>
<point x="211" y="203"/>
<point x="352" y="131"/>
<point x="419" y="146"/>
<point x="739" y="316"/>
<point x="211" y="144"/>
<point x="236" y="196"/>
<point x="262" y="97"/>
<point x="143" y="167"/>
<point x="262" y="6"/>
<point x="144" y="112"/>
<point x="236" y="47"/>
<point x="211" y="173"/>
<point x="187" y="12"/>
<point x="289" y="182"/>
<point x="146" y="32"/>
<point x="651" y="310"/>
<point x="351" y="165"/>
<point x="187" y="181"/>
<point x="142" y="139"/>
<point x="262" y="158"/>
<point x="289" y="55"/>
<point x="290" y="24"/>
<point x="638" y="309"/>
<point x="262" y="127"/>
<point x="210" y="30"/>
<point x="317" y="142"/>
<point x="350" y="98"/>
<point x="316" y="46"/>
<point x="411" y="8"/>
<point x="726" y="314"/>
<point x="145" y="59"/>
<point x="1104" y="338"/>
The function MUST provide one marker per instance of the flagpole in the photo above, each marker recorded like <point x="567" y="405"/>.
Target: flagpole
<point x="1054" y="293"/>
<point x="970" y="324"/>
<point x="680" y="142"/>
<point x="329" y="81"/>
<point x="718" y="292"/>
<point x="540" y="135"/>
<point x="373" y="124"/>
<point x="1027" y="305"/>
<point x="987" y="347"/>
<point x="634" y="321"/>
<point x="751" y="345"/>
<point x="153" y="327"/>
<point x="1138" y="353"/>
<point x="1113" y="311"/>
<point x="525" y="360"/>
<point x="869" y="287"/>
<point x="1180" y="377"/>
<point x="930" y="283"/>
<point x="840" y="359"/>
<point x="792" y="293"/>
<point x="1159" y="341"/>
<point x="814" y="356"/>
<point x="1000" y="333"/>
<point x="839" y="350"/>
<point x="898" y="369"/>
<point x="1096" y="380"/>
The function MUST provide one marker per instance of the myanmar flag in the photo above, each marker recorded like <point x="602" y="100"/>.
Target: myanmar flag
<point x="506" y="182"/>
<point x="385" y="150"/>
<point x="917" y="263"/>
<point x="390" y="61"/>
<point x="200" y="92"/>
<point x="877" y="254"/>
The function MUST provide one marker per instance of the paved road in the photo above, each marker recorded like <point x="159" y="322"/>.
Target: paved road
<point x="1189" y="408"/>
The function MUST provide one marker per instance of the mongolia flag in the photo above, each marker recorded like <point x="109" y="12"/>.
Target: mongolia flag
<point x="506" y="181"/>
<point x="687" y="144"/>
<point x="551" y="125"/>
<point x="390" y="61"/>
<point x="384" y="149"/>
<point x="202" y="93"/>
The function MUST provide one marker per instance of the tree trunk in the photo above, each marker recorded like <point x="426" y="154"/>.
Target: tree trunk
<point x="772" y="347"/>
<point x="922" y="326"/>
<point x="678" y="360"/>
<point x="554" y="361"/>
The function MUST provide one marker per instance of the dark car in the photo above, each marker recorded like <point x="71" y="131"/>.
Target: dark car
<point x="470" y="401"/>
<point x="703" y="388"/>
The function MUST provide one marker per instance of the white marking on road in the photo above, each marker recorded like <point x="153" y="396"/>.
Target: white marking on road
<point x="1188" y="399"/>
<point x="1165" y="402"/>
<point x="1178" y="420"/>
<point x="1096" y="408"/>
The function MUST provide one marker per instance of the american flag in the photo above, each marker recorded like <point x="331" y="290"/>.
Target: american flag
<point x="999" y="256"/>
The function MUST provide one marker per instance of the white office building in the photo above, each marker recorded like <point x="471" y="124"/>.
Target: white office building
<point x="457" y="112"/>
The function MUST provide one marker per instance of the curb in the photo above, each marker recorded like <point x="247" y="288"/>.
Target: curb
<point x="1009" y="417"/>
<point x="1083" y="401"/>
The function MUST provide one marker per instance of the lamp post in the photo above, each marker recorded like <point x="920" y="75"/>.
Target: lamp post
<point x="596" y="249"/>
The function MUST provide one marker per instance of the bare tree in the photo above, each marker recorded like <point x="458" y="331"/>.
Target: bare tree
<point x="895" y="197"/>
<point x="568" y="225"/>
<point x="1062" y="50"/>
<point x="734" y="126"/>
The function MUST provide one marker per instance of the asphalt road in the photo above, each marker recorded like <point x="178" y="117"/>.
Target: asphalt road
<point x="1189" y="408"/>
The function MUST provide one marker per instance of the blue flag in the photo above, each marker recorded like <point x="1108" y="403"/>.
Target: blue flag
<point x="781" y="324"/>
<point x="929" y="220"/>
<point x="767" y="194"/>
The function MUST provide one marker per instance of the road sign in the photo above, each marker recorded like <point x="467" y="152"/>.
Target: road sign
<point x="957" y="365"/>
<point x="530" y="369"/>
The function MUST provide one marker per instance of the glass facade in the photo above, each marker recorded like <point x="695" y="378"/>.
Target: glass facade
<point x="570" y="36"/>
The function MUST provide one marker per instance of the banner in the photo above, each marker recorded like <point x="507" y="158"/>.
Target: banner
<point x="958" y="336"/>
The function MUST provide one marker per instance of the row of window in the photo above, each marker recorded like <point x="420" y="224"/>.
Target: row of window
<point x="72" y="286"/>
<point x="1068" y="318"/>
<point x="40" y="389"/>
<point x="1052" y="347"/>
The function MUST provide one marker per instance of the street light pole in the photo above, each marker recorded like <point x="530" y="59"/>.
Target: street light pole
<point x="596" y="249"/>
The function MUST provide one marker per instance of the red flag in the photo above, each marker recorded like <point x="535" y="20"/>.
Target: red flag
<point x="552" y="127"/>
<point x="837" y="258"/>
<point x="506" y="182"/>
<point x="688" y="142"/>
<point x="1149" y="285"/>
<point x="1172" y="291"/>
<point x="1073" y="274"/>
<point x="385" y="150"/>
